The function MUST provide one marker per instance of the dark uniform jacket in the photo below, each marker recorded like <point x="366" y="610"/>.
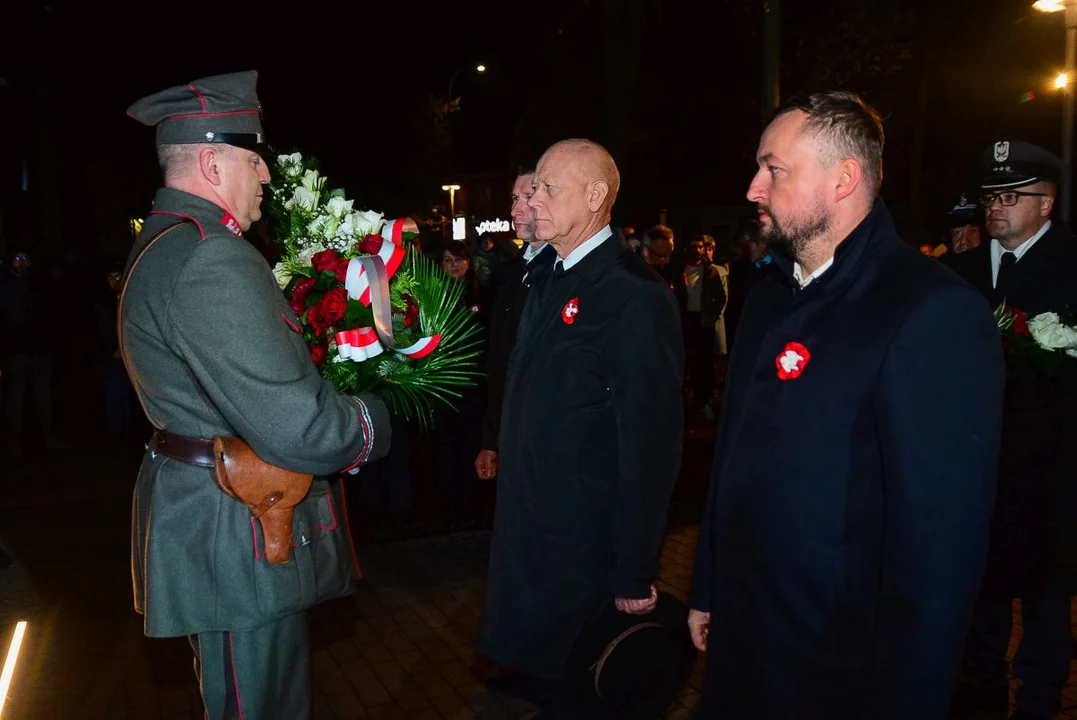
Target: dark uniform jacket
<point x="591" y="440"/>
<point x="842" y="546"/>
<point x="512" y="281"/>
<point x="1034" y="529"/>
<point x="213" y="349"/>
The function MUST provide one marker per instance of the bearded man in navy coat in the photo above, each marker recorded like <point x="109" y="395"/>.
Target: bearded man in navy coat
<point x="842" y="545"/>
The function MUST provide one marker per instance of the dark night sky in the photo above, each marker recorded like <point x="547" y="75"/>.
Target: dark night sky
<point x="343" y="81"/>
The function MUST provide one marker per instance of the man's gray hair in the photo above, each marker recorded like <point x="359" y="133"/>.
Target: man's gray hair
<point x="178" y="161"/>
<point x="849" y="129"/>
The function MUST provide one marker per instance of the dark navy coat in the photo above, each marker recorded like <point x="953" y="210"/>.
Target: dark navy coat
<point x="846" y="526"/>
<point x="591" y="439"/>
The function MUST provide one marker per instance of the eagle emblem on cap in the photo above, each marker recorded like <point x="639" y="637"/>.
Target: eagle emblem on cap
<point x="209" y="136"/>
<point x="963" y="202"/>
<point x="1002" y="151"/>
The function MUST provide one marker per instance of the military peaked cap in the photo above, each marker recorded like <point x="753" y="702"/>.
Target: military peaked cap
<point x="965" y="212"/>
<point x="217" y="109"/>
<point x="1011" y="165"/>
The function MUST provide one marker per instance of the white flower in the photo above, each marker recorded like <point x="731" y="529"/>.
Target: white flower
<point x="282" y="274"/>
<point x="312" y="181"/>
<point x="367" y="222"/>
<point x="291" y="166"/>
<point x="338" y="207"/>
<point x="323" y="227"/>
<point x="303" y="198"/>
<point x="1050" y="333"/>
<point x="308" y="252"/>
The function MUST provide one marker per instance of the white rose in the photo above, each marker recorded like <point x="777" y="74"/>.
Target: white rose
<point x="367" y="222"/>
<point x="291" y="166"/>
<point x="312" y="181"/>
<point x="338" y="207"/>
<point x="283" y="276"/>
<point x="302" y="198"/>
<point x="324" y="227"/>
<point x="308" y="252"/>
<point x="1050" y="333"/>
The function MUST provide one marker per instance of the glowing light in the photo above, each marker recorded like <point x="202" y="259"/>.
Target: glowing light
<point x="480" y="68"/>
<point x="9" y="664"/>
<point x="1049" y="5"/>
<point x="1062" y="81"/>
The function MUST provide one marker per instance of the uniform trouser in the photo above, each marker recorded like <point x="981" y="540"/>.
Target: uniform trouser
<point x="1042" y="661"/>
<point x="260" y="674"/>
<point x="699" y="344"/>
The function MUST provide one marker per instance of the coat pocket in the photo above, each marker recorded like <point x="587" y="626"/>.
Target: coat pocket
<point x="322" y="562"/>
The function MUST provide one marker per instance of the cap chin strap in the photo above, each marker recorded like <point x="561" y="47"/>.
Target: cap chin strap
<point x="247" y="141"/>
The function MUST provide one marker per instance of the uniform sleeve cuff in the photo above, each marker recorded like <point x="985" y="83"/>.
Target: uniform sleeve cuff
<point x="375" y="424"/>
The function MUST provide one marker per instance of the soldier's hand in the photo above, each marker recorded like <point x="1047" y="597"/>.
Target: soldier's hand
<point x="699" y="625"/>
<point x="638" y="606"/>
<point x="486" y="464"/>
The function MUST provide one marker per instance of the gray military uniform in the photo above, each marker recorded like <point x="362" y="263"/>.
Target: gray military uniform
<point x="212" y="349"/>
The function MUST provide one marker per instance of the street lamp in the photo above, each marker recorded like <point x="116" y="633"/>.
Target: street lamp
<point x="1070" y="7"/>
<point x="452" y="198"/>
<point x="478" y="69"/>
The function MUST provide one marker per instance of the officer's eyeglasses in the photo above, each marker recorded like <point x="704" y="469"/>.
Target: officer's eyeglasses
<point x="1007" y="199"/>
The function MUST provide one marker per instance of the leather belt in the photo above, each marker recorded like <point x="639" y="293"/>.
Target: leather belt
<point x="193" y="451"/>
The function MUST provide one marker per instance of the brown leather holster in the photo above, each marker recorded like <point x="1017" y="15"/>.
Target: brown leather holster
<point x="270" y="492"/>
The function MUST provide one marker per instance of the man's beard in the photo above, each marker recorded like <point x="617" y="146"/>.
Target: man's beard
<point x="790" y="238"/>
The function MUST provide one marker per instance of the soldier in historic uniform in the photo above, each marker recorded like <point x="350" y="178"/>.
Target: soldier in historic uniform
<point x="1029" y="264"/>
<point x="214" y="351"/>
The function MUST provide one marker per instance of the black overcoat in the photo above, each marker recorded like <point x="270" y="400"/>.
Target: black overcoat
<point x="591" y="440"/>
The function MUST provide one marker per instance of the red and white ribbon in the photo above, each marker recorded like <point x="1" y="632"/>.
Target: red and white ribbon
<point x="358" y="344"/>
<point x="391" y="252"/>
<point x="421" y="349"/>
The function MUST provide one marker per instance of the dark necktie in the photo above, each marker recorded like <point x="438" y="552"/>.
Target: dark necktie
<point x="559" y="268"/>
<point x="1004" y="281"/>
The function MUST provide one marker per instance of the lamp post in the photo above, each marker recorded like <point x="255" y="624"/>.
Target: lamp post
<point x="452" y="81"/>
<point x="452" y="198"/>
<point x="1070" y="8"/>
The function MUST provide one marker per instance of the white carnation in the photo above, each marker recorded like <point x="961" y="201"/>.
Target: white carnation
<point x="338" y="207"/>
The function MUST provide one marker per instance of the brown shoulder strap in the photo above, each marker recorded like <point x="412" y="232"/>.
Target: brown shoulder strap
<point x="119" y="312"/>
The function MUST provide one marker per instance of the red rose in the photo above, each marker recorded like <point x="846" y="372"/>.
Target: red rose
<point x="342" y="270"/>
<point x="316" y="320"/>
<point x="332" y="306"/>
<point x="411" y="312"/>
<point x="1020" y="321"/>
<point x="325" y="260"/>
<point x="370" y="245"/>
<point x="318" y="352"/>
<point x="299" y="295"/>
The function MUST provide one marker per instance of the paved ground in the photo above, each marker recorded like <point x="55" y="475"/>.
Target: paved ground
<point x="401" y="648"/>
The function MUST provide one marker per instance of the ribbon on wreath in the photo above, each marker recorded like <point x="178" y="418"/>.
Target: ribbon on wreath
<point x="374" y="272"/>
<point x="392" y="253"/>
<point x="358" y="344"/>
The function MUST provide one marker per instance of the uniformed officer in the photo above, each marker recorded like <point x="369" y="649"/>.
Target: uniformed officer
<point x="213" y="349"/>
<point x="1029" y="264"/>
<point x="966" y="225"/>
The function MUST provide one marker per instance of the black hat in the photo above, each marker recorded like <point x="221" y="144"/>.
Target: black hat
<point x="965" y="212"/>
<point x="1011" y="165"/>
<point x="217" y="109"/>
<point x="631" y="666"/>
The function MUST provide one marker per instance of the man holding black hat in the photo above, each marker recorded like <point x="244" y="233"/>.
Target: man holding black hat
<point x="1030" y="265"/>
<point x="215" y="354"/>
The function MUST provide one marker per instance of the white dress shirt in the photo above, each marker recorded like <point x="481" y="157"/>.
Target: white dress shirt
<point x="798" y="274"/>
<point x="585" y="247"/>
<point x="1019" y="251"/>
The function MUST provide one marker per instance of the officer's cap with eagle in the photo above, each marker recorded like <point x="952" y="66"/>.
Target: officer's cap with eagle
<point x="217" y="109"/>
<point x="1011" y="165"/>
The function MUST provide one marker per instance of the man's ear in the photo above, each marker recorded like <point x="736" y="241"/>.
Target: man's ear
<point x="210" y="161"/>
<point x="848" y="179"/>
<point x="600" y="190"/>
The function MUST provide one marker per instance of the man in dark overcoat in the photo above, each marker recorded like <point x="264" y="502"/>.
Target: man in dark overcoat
<point x="1030" y="265"/>
<point x="841" y="549"/>
<point x="512" y="283"/>
<point x="591" y="431"/>
<point x="213" y="349"/>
